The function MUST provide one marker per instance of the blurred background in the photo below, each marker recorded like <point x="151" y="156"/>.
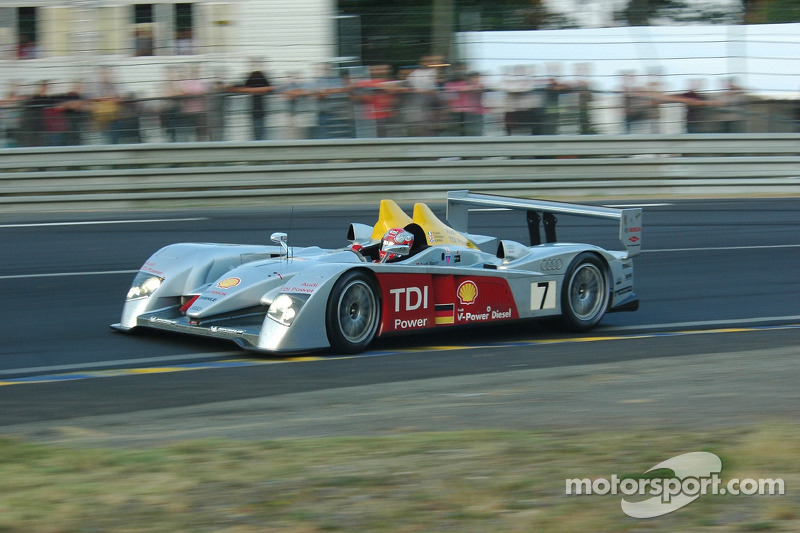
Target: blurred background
<point x="110" y="72"/>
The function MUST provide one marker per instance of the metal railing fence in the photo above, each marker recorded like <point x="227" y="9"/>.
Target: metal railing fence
<point x="257" y="172"/>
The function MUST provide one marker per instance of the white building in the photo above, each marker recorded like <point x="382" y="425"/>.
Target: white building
<point x="765" y="59"/>
<point x="67" y="42"/>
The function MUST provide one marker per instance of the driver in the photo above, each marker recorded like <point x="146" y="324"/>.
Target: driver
<point x="392" y="237"/>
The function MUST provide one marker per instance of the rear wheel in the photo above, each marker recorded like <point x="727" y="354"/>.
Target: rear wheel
<point x="584" y="296"/>
<point x="353" y="312"/>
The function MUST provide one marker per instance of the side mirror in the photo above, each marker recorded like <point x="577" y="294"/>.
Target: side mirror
<point x="279" y="237"/>
<point x="359" y="233"/>
<point x="282" y="239"/>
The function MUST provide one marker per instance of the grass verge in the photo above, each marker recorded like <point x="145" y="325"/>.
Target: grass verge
<point x="457" y="481"/>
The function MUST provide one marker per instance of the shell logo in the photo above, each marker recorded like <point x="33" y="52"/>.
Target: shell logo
<point x="467" y="292"/>
<point x="227" y="283"/>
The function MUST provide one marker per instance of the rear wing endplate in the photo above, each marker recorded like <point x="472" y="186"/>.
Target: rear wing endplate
<point x="630" y="219"/>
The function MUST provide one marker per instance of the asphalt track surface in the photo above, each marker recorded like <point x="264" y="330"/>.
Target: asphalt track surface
<point x="716" y="277"/>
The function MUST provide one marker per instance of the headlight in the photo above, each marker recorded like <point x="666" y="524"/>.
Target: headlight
<point x="144" y="285"/>
<point x="285" y="307"/>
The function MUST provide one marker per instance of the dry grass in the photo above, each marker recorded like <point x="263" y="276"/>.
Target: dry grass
<point x="461" y="481"/>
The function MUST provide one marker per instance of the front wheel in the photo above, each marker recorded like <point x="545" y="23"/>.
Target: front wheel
<point x="353" y="312"/>
<point x="584" y="296"/>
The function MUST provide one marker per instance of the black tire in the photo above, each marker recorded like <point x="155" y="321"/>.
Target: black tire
<point x="585" y="293"/>
<point x="353" y="312"/>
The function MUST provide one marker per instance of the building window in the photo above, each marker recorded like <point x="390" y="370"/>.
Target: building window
<point x="143" y="34"/>
<point x="143" y="13"/>
<point x="184" y="29"/>
<point x="28" y="33"/>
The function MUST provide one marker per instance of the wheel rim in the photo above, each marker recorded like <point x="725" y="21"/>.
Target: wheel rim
<point x="358" y="310"/>
<point x="587" y="292"/>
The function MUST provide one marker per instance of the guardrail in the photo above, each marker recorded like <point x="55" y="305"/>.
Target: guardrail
<point x="228" y="173"/>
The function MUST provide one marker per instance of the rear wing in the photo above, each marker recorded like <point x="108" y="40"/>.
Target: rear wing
<point x="630" y="219"/>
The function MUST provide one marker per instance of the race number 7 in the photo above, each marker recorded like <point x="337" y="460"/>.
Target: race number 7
<point x="543" y="295"/>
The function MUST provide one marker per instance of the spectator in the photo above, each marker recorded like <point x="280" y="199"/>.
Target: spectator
<point x="493" y="109"/>
<point x="105" y="98"/>
<point x="423" y="97"/>
<point x="518" y="87"/>
<point x="294" y="91"/>
<point x="378" y="99"/>
<point x="55" y="122"/>
<point x="33" y="116"/>
<point x="535" y="102"/>
<point x="125" y="127"/>
<point x="257" y="86"/>
<point x="797" y="116"/>
<point x="170" y="105"/>
<point x="634" y="104"/>
<point x="450" y="120"/>
<point x="334" y="109"/>
<point x="215" y="118"/>
<point x="641" y="104"/>
<point x="11" y="116"/>
<point x="465" y="98"/>
<point x="696" y="116"/>
<point x="653" y="96"/>
<point x="74" y="106"/>
<point x="730" y="116"/>
<point x="583" y="88"/>
<point x="405" y="102"/>
<point x="193" y="106"/>
<point x="553" y="92"/>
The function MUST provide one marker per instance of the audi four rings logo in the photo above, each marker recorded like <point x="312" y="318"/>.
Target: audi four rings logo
<point x="551" y="264"/>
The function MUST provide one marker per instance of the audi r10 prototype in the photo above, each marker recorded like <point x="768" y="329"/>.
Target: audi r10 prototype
<point x="425" y="274"/>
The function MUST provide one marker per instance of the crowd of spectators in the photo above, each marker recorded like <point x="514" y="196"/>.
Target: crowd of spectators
<point x="428" y="99"/>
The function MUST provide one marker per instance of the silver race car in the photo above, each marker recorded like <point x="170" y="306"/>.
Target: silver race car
<point x="401" y="274"/>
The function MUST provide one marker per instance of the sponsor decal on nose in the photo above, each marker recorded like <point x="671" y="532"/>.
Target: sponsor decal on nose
<point x="227" y="283"/>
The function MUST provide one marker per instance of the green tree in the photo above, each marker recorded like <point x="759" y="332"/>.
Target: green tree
<point x="400" y="33"/>
<point x="652" y="12"/>
<point x="771" y="11"/>
<point x="509" y="15"/>
<point x="394" y="33"/>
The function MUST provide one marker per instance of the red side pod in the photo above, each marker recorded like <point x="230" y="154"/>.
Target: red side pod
<point x="483" y="299"/>
<point x="407" y="302"/>
<point x="416" y="301"/>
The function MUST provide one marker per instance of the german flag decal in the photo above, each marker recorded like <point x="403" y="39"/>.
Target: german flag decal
<point x="445" y="313"/>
